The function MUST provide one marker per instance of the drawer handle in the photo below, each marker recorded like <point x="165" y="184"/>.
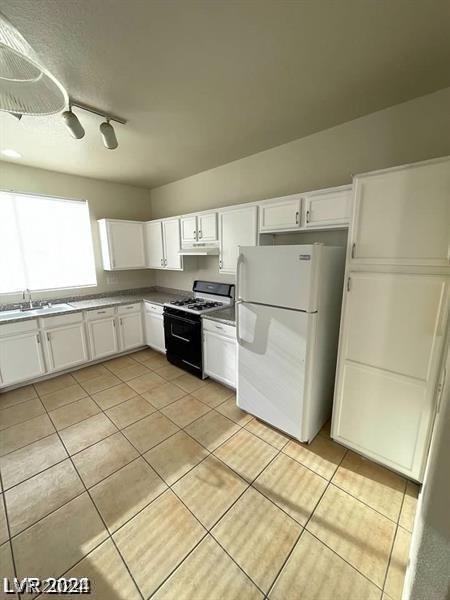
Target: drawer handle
<point x="101" y="312"/>
<point x="218" y="326"/>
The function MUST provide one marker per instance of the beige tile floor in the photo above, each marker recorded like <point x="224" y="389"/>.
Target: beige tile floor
<point x="153" y="483"/>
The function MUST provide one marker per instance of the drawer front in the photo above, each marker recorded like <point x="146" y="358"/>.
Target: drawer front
<point x="153" y="308"/>
<point x="219" y="328"/>
<point x="101" y="313"/>
<point x="60" y="321"/>
<point x="129" y="308"/>
<point x="19" y="327"/>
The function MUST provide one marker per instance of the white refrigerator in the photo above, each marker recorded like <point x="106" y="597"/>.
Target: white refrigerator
<point x="287" y="316"/>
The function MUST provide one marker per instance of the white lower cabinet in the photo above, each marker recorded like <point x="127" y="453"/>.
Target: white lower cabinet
<point x="392" y="336"/>
<point x="219" y="352"/>
<point x="65" y="342"/>
<point x="154" y="326"/>
<point x="103" y="339"/>
<point x="21" y="356"/>
<point x="131" y="333"/>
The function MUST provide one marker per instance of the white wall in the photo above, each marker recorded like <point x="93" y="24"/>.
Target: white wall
<point x="105" y="200"/>
<point x="412" y="131"/>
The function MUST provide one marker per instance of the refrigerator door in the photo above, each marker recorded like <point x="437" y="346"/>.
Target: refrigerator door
<point x="272" y="363"/>
<point x="283" y="276"/>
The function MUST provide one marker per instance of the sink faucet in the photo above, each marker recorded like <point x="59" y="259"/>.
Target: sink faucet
<point x="25" y="292"/>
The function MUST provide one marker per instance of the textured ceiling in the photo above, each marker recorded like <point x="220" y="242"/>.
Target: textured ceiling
<point x="204" y="83"/>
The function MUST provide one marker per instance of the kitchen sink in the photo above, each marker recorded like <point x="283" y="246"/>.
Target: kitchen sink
<point x="39" y="311"/>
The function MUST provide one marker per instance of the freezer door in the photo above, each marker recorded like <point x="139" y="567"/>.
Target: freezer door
<point x="272" y="354"/>
<point x="283" y="276"/>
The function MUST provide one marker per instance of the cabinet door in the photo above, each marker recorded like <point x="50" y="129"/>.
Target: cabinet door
<point x="172" y="244"/>
<point x="330" y="209"/>
<point x="126" y="244"/>
<point x="207" y="227"/>
<point x="219" y="361"/>
<point x="131" y="331"/>
<point x="237" y="228"/>
<point x="280" y="215"/>
<point x="392" y="336"/>
<point x="154" y="245"/>
<point x="402" y="216"/>
<point x="67" y="346"/>
<point x="188" y="230"/>
<point x="154" y="331"/>
<point x="21" y="358"/>
<point x="103" y="337"/>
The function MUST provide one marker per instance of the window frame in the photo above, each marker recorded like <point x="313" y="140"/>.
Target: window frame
<point x="22" y="257"/>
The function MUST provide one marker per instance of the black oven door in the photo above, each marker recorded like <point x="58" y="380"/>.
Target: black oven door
<point x="183" y="337"/>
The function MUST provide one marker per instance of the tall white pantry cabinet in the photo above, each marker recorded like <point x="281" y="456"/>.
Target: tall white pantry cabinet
<point x="394" y="327"/>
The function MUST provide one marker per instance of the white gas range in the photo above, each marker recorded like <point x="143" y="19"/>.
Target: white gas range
<point x="183" y="323"/>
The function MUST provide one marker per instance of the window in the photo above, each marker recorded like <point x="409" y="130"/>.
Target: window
<point x="45" y="243"/>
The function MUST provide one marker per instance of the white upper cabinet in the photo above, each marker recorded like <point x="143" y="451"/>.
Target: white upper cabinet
<point x="328" y="209"/>
<point x="162" y="243"/>
<point x="188" y="230"/>
<point x="237" y="227"/>
<point x="122" y="244"/>
<point x="402" y="216"/>
<point x="172" y="245"/>
<point x="198" y="228"/>
<point x="207" y="227"/>
<point x="154" y="247"/>
<point x="280" y="214"/>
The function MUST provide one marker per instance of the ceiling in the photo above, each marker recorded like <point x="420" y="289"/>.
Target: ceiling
<point x="202" y="83"/>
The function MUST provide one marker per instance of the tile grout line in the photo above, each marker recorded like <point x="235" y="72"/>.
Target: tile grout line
<point x="210" y="453"/>
<point x="98" y="512"/>
<point x="303" y="526"/>
<point x="394" y="538"/>
<point x="8" y="527"/>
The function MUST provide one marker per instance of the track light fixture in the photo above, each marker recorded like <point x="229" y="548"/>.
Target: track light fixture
<point x="108" y="135"/>
<point x="73" y="124"/>
<point x="106" y="129"/>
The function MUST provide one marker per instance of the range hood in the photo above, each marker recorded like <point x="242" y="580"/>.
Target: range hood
<point x="199" y="250"/>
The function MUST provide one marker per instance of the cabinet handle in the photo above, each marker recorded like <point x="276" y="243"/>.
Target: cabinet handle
<point x="297" y="215"/>
<point x="200" y="234"/>
<point x="307" y="216"/>
<point x="48" y="336"/>
<point x="165" y="262"/>
<point x="353" y="250"/>
<point x="349" y="284"/>
<point x="195" y="233"/>
<point x="114" y="323"/>
<point x="218" y="327"/>
<point x="220" y="263"/>
<point x="121" y="322"/>
<point x="38" y="338"/>
<point x="101" y="312"/>
<point x="162" y="262"/>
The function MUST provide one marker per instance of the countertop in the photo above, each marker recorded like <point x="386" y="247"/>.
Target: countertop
<point x="156" y="296"/>
<point x="224" y="315"/>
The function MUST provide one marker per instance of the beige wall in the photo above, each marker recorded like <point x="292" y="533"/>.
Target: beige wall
<point x="105" y="200"/>
<point x="415" y="130"/>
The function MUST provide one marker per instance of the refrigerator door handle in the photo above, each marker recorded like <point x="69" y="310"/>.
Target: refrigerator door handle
<point x="240" y="260"/>
<point x="237" y="320"/>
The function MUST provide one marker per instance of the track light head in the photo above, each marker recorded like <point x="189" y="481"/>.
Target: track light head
<point x="73" y="124"/>
<point x="108" y="135"/>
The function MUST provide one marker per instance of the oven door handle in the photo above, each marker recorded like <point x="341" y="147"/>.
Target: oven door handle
<point x="180" y="337"/>
<point x="177" y="318"/>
